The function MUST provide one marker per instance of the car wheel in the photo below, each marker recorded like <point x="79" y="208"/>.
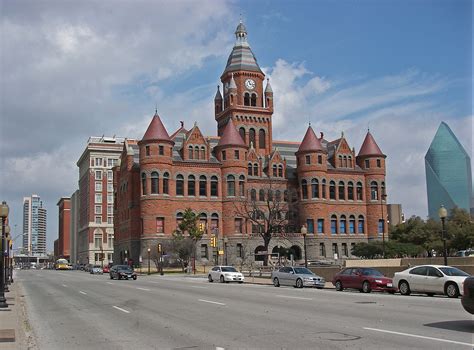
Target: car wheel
<point x="276" y="282"/>
<point x="209" y="278"/>
<point x="111" y="277"/>
<point x="222" y="279"/>
<point x="451" y="290"/>
<point x="404" y="288"/>
<point x="338" y="286"/>
<point x="366" y="287"/>
<point x="134" y="278"/>
<point x="299" y="283"/>
<point x="240" y="282"/>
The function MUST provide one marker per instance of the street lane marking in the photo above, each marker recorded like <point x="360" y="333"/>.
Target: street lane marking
<point x="418" y="336"/>
<point x="210" y="302"/>
<point x="110" y="283"/>
<point x="123" y="310"/>
<point x="82" y="292"/>
<point x="199" y="287"/>
<point x="64" y="286"/>
<point x="288" y="296"/>
<point x="143" y="289"/>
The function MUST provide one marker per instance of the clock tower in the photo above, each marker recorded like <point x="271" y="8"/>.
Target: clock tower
<point x="245" y="100"/>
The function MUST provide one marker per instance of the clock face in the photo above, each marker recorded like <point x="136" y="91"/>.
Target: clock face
<point x="250" y="84"/>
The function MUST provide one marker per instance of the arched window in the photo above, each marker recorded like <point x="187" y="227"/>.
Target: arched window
<point x="382" y="190"/>
<point x="154" y="182"/>
<point x="352" y="224"/>
<point x="231" y="185"/>
<point x="191" y="185"/>
<point x="242" y="185"/>
<point x="202" y="185"/>
<point x="345" y="161"/>
<point x="255" y="169"/>
<point x="179" y="219"/>
<point x="246" y="99"/>
<point x="359" y="191"/>
<point x="360" y="224"/>
<point x="304" y="189"/>
<point x="340" y="161"/>
<point x="196" y="152"/>
<point x="203" y="222"/>
<point x="203" y="153"/>
<point x="242" y="133"/>
<point x="350" y="162"/>
<point x="280" y="170"/>
<point x="249" y="169"/>
<point x="374" y="194"/>
<point x="323" y="189"/>
<point x="143" y="184"/>
<point x="270" y="195"/>
<point x="261" y="196"/>
<point x="252" y="137"/>
<point x="214" y="188"/>
<point x="278" y="195"/>
<point x="314" y="188"/>
<point x="342" y="224"/>
<point x="166" y="180"/>
<point x="274" y="167"/>
<point x="190" y="152"/>
<point x="342" y="194"/>
<point x="253" y="101"/>
<point x="332" y="190"/>
<point x="180" y="185"/>
<point x="253" y="195"/>
<point x="261" y="138"/>
<point x="350" y="190"/>
<point x="333" y="224"/>
<point x="214" y="224"/>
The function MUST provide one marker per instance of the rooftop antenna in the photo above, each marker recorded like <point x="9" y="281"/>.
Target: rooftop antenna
<point x="156" y="107"/>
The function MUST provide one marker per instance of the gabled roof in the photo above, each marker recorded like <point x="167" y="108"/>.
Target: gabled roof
<point x="369" y="147"/>
<point x="310" y="142"/>
<point x="230" y="136"/>
<point x="156" y="130"/>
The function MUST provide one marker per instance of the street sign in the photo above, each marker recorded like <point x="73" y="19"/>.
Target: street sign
<point x="221" y="252"/>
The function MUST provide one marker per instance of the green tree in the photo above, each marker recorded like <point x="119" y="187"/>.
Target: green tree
<point x="367" y="250"/>
<point x="186" y="236"/>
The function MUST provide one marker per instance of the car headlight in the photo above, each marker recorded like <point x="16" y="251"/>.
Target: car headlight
<point x="378" y="281"/>
<point x="307" y="279"/>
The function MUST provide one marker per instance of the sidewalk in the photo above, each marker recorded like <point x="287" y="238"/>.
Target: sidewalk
<point x="14" y="328"/>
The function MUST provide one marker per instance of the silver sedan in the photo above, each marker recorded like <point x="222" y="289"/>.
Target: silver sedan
<point x="298" y="277"/>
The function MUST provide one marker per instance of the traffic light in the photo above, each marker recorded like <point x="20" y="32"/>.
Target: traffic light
<point x="159" y="247"/>
<point x="213" y="241"/>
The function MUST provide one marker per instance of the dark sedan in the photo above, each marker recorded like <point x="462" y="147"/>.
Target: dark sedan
<point x="122" y="272"/>
<point x="468" y="295"/>
<point x="365" y="279"/>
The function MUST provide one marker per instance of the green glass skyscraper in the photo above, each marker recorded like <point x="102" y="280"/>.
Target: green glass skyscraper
<point x="448" y="173"/>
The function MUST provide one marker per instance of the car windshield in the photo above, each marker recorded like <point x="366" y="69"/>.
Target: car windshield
<point x="372" y="272"/>
<point x="124" y="268"/>
<point x="228" y="269"/>
<point x="303" y="271"/>
<point x="452" y="271"/>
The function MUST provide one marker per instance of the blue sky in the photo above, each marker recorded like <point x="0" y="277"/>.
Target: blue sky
<point x="77" y="69"/>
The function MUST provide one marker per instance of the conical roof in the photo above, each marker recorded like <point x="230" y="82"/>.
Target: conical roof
<point x="268" y="89"/>
<point x="310" y="142"/>
<point x="369" y="147"/>
<point x="218" y="96"/>
<point x="230" y="136"/>
<point x="156" y="130"/>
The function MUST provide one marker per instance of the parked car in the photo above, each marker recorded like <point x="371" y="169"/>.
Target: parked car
<point x="463" y="253"/>
<point x="365" y="279"/>
<point x="298" y="277"/>
<point x="122" y="271"/>
<point x="96" y="270"/>
<point x="467" y="299"/>
<point x="106" y="269"/>
<point x="225" y="274"/>
<point x="431" y="279"/>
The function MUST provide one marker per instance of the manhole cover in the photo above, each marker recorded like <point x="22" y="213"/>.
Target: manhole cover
<point x="336" y="336"/>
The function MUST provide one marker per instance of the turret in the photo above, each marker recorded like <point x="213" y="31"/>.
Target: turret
<point x="269" y="96"/>
<point x="156" y="145"/>
<point x="311" y="155"/>
<point x="218" y="101"/>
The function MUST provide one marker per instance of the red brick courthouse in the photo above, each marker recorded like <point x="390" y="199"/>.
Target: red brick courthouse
<point x="338" y="192"/>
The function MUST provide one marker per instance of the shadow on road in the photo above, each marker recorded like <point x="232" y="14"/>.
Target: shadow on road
<point x="466" y="326"/>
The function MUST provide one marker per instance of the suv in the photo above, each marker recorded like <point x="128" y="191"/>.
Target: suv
<point x="122" y="271"/>
<point x="467" y="300"/>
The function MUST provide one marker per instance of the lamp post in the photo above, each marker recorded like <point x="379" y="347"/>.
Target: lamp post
<point x="3" y="214"/>
<point x="304" y="231"/>
<point x="443" y="213"/>
<point x="383" y="198"/>
<point x="148" y="250"/>
<point x="225" y="249"/>
<point x="6" y="249"/>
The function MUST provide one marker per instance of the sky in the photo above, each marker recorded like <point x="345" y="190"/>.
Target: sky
<point x="71" y="69"/>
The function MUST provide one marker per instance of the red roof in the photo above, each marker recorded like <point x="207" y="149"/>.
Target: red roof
<point x="310" y="142"/>
<point x="369" y="147"/>
<point x="230" y="136"/>
<point x="156" y="130"/>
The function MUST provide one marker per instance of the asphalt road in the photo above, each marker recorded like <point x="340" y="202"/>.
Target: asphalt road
<point x="77" y="310"/>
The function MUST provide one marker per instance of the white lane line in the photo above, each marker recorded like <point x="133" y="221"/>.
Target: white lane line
<point x="419" y="336"/>
<point x="64" y="286"/>
<point x="123" y="310"/>
<point x="143" y="289"/>
<point x="199" y="287"/>
<point x="82" y="292"/>
<point x="210" y="302"/>
<point x="290" y="297"/>
<point x="110" y="283"/>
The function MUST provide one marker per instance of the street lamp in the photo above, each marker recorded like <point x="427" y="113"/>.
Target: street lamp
<point x="304" y="231"/>
<point x="148" y="250"/>
<point x="383" y="198"/>
<point x="6" y="249"/>
<point x="226" y="240"/>
<point x="3" y="214"/>
<point x="443" y="213"/>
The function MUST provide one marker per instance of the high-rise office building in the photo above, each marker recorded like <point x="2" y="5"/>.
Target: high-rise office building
<point x="34" y="226"/>
<point x="448" y="173"/>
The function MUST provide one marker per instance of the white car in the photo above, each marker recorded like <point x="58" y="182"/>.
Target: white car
<point x="431" y="279"/>
<point x="225" y="274"/>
